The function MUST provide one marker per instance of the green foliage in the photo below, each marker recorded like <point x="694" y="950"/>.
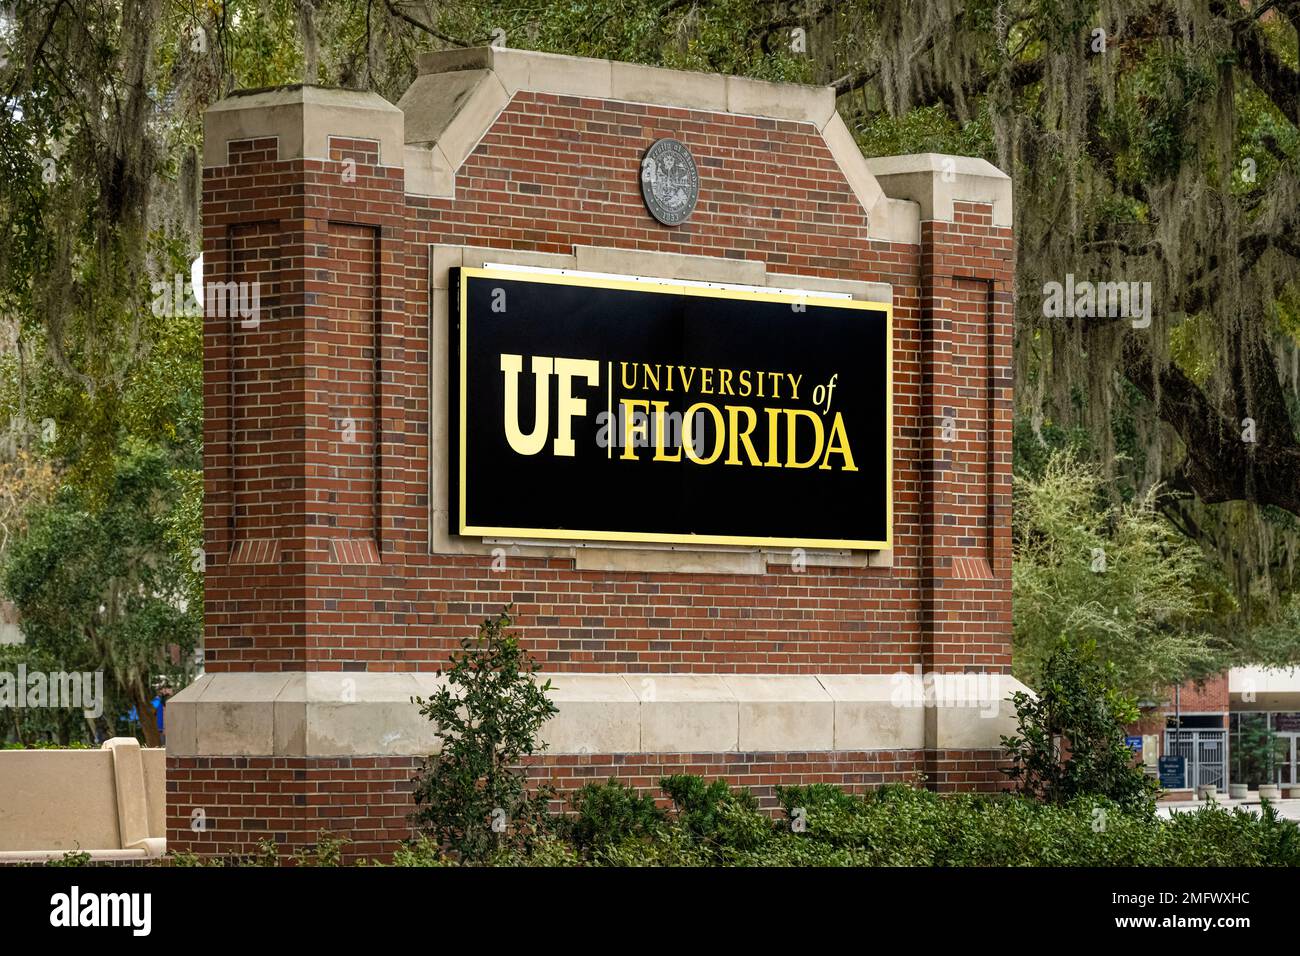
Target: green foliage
<point x="895" y="825"/>
<point x="1118" y="576"/>
<point x="327" y="851"/>
<point x="928" y="129"/>
<point x="75" y="858"/>
<point x="98" y="586"/>
<point x="899" y="825"/>
<point x="267" y="854"/>
<point x="45" y="745"/>
<point x="1275" y="642"/>
<point x="1070" y="737"/>
<point x="187" y="860"/>
<point x="1213" y="836"/>
<point x="472" y="796"/>
<point x="725" y="36"/>
<point x="1254" y="750"/>
<point x="421" y="852"/>
<point x="714" y="816"/>
<point x="611" y="813"/>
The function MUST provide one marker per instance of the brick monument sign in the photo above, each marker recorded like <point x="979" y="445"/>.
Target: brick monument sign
<point x="809" y="581"/>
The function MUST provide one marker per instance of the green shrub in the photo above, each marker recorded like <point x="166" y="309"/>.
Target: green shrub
<point x="328" y="851"/>
<point x="472" y="796"/>
<point x="713" y="815"/>
<point x="611" y="813"/>
<point x="71" y="858"/>
<point x="672" y="846"/>
<point x="1070" y="738"/>
<point x="1279" y="838"/>
<point x="421" y="852"/>
<point x="896" y="825"/>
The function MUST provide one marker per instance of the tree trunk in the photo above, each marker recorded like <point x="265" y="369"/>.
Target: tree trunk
<point x="148" y="718"/>
<point x="310" y="41"/>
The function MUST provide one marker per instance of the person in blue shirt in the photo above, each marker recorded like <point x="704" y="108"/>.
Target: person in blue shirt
<point x="158" y="707"/>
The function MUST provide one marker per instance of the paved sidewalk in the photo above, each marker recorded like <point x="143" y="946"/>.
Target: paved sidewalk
<point x="1290" y="809"/>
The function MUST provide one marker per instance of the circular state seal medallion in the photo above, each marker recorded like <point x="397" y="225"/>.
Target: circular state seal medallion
<point x="670" y="182"/>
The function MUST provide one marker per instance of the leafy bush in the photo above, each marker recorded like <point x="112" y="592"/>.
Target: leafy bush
<point x="472" y="797"/>
<point x="903" y="826"/>
<point x="894" y="826"/>
<point x="76" y="858"/>
<point x="611" y="813"/>
<point x="1120" y="576"/>
<point x="714" y="814"/>
<point x="328" y="851"/>
<point x="421" y="852"/>
<point x="97" y="589"/>
<point x="1070" y="739"/>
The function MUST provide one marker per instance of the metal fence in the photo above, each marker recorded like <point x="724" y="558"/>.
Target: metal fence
<point x="1206" y="752"/>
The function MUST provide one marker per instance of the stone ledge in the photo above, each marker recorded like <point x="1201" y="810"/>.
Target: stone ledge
<point x="334" y="714"/>
<point x="458" y="94"/>
<point x="635" y="83"/>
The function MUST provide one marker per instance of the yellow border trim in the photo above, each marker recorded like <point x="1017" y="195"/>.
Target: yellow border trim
<point x="667" y="287"/>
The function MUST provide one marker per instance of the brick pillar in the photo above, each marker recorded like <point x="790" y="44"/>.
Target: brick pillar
<point x="303" y="216"/>
<point x="299" y="201"/>
<point x="967" y="301"/>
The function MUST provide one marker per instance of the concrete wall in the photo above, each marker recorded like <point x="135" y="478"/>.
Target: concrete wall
<point x="109" y="802"/>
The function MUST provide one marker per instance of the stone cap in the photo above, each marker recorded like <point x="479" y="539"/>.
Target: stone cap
<point x="110" y="802"/>
<point x="634" y="83"/>
<point x="459" y="94"/>
<point x="353" y="714"/>
<point x="302" y="119"/>
<point x="935" y="181"/>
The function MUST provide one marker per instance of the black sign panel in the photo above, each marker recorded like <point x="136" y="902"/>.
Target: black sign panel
<point x="602" y="410"/>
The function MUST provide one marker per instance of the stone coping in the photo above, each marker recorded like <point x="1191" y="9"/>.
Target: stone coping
<point x="934" y="182"/>
<point x="636" y="83"/>
<point x="324" y="714"/>
<point x="302" y="119"/>
<point x="458" y="95"/>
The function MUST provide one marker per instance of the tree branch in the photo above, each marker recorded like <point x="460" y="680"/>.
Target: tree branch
<point x="1220" y="465"/>
<point x="402" y="15"/>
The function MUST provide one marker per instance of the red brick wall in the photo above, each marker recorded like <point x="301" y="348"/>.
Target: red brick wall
<point x="288" y="800"/>
<point x="317" y="546"/>
<point x="291" y="800"/>
<point x="555" y="172"/>
<point x="1207" y="697"/>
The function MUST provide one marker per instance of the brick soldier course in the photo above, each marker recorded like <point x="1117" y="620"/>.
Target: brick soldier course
<point x="334" y="590"/>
